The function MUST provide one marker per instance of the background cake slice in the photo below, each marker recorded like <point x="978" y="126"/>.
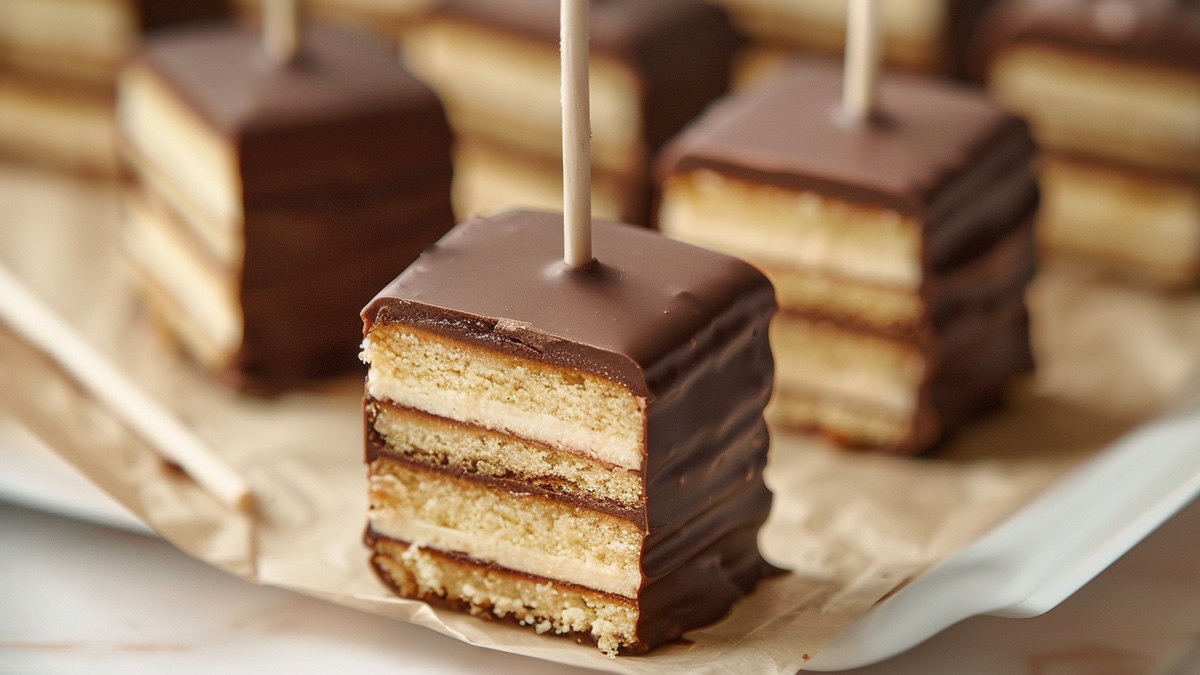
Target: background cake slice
<point x="579" y="450"/>
<point x="654" y="65"/>
<point x="1112" y="91"/>
<point x="58" y="67"/>
<point x="899" y="246"/>
<point x="273" y="200"/>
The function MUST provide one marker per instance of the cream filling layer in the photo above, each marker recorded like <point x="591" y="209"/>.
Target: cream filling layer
<point x="519" y="532"/>
<point x="776" y="227"/>
<point x="566" y="409"/>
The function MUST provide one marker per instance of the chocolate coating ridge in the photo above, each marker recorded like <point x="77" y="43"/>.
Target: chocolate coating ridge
<point x="502" y="279"/>
<point x="680" y="49"/>
<point x="789" y="132"/>
<point x="1163" y="33"/>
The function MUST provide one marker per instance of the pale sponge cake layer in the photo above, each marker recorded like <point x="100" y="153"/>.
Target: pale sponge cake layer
<point x="59" y="128"/>
<point x="195" y="285"/>
<point x="486" y="590"/>
<point x="420" y="438"/>
<point x="489" y="178"/>
<point x="522" y="532"/>
<point x="1136" y="225"/>
<point x="167" y="133"/>
<point x="873" y="371"/>
<point x="773" y="226"/>
<point x="1145" y="115"/>
<point x="884" y="307"/>
<point x="566" y="409"/>
<point x="851" y="425"/>
<point x="506" y="87"/>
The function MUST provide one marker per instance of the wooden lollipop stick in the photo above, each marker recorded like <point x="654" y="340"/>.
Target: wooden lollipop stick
<point x="35" y="323"/>
<point x="281" y="29"/>
<point x="577" y="142"/>
<point x="863" y="54"/>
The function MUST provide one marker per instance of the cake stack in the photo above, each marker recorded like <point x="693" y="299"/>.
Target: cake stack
<point x="1112" y="91"/>
<point x="925" y="35"/>
<point x="58" y="66"/>
<point x="578" y="450"/>
<point x="899" y="245"/>
<point x="272" y="200"/>
<point x="655" y="64"/>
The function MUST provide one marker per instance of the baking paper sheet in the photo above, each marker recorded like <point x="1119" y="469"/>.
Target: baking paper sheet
<point x="850" y="527"/>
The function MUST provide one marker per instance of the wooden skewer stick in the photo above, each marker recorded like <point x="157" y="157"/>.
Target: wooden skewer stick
<point x="35" y="323"/>
<point x="281" y="29"/>
<point x="577" y="142"/>
<point x="863" y="54"/>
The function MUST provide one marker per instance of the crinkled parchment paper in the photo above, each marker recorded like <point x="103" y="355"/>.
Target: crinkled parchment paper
<point x="852" y="528"/>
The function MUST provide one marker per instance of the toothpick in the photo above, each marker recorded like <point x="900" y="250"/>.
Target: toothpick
<point x="38" y="325"/>
<point x="577" y="162"/>
<point x="281" y="29"/>
<point x="863" y="55"/>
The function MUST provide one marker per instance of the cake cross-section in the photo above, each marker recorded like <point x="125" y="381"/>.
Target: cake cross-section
<point x="900" y="247"/>
<point x="579" y="450"/>
<point x="273" y="200"/>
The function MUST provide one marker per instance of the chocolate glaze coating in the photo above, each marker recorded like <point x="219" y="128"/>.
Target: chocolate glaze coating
<point x="155" y="14"/>
<point x="341" y="114"/>
<point x="680" y="49"/>
<point x="683" y="327"/>
<point x="345" y="168"/>
<point x="1162" y="33"/>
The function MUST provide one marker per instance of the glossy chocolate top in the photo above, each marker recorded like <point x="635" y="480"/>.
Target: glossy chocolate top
<point x="224" y="74"/>
<point x="502" y="280"/>
<point x="679" y="49"/>
<point x="156" y="14"/>
<point x="1156" y="32"/>
<point x="789" y="132"/>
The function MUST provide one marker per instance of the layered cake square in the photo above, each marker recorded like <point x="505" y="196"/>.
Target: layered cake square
<point x="577" y="450"/>
<point x="654" y="65"/>
<point x="273" y="200"/>
<point x="1112" y="91"/>
<point x="900" y="247"/>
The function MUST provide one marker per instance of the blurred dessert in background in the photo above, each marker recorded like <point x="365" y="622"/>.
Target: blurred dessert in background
<point x="272" y="200"/>
<point x="1112" y="91"/>
<point x="900" y="246"/>
<point x="655" y="64"/>
<point x="923" y="35"/>
<point x="58" y="66"/>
